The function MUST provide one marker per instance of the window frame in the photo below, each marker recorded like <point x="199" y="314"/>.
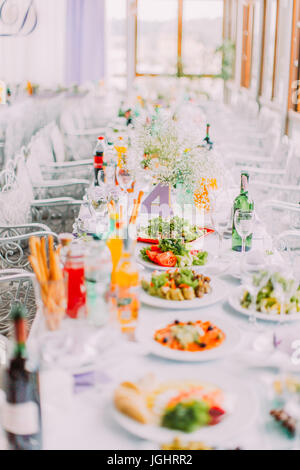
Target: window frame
<point x="294" y="74"/>
<point x="265" y="39"/>
<point x="179" y="66"/>
<point x="247" y="43"/>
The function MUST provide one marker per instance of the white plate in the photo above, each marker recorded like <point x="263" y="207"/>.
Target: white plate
<point x="234" y="302"/>
<point x="145" y="335"/>
<point x="242" y="398"/>
<point x="218" y="293"/>
<point x="156" y="267"/>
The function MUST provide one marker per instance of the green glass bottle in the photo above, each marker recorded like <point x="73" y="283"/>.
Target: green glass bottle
<point x="244" y="202"/>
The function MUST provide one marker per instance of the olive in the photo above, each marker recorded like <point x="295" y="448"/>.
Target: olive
<point x="210" y="328"/>
<point x="176" y="322"/>
<point x="202" y="345"/>
<point x="165" y="340"/>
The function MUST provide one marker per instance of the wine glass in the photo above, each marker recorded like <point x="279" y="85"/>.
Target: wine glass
<point x="125" y="178"/>
<point x="97" y="202"/>
<point x="243" y="221"/>
<point x="254" y="282"/>
<point x="220" y="216"/>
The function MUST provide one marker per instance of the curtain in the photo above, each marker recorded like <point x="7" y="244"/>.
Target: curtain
<point x="40" y="56"/>
<point x="85" y="41"/>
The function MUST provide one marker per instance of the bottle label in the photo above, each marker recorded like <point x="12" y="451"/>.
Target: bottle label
<point x="21" y="418"/>
<point x="98" y="161"/>
<point x="244" y="183"/>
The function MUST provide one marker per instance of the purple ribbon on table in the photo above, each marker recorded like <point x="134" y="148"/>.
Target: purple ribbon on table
<point x="87" y="380"/>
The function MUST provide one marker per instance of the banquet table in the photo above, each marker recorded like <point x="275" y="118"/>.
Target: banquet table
<point x="85" y="420"/>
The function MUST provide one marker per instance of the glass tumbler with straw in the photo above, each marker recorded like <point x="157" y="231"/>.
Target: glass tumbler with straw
<point x="244" y="221"/>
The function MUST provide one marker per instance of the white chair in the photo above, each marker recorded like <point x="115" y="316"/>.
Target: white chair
<point x="278" y="216"/>
<point x="39" y="154"/>
<point x="16" y="286"/>
<point x="63" y="165"/>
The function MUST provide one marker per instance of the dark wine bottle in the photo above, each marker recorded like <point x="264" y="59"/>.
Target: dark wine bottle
<point x="207" y="142"/>
<point x="21" y="417"/>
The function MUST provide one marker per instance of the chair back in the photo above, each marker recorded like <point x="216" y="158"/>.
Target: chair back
<point x="16" y="285"/>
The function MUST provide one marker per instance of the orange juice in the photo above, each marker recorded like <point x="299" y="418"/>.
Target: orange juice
<point x="127" y="285"/>
<point x="121" y="151"/>
<point x="115" y="246"/>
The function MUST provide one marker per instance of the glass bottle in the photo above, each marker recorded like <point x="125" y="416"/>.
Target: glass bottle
<point x="98" y="268"/>
<point x="243" y="202"/>
<point x="127" y="289"/>
<point x="207" y="142"/>
<point x="99" y="162"/>
<point x="21" y="413"/>
<point x="74" y="277"/>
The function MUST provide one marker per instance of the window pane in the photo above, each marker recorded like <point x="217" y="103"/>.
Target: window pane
<point x="116" y="14"/>
<point x="202" y="34"/>
<point x="157" y="36"/>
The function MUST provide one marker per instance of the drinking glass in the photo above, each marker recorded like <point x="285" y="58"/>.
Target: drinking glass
<point x="220" y="215"/>
<point x="125" y="178"/>
<point x="97" y="202"/>
<point x="284" y="290"/>
<point x="243" y="221"/>
<point x="254" y="282"/>
<point x="54" y="303"/>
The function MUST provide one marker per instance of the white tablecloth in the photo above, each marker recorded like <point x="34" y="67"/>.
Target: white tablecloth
<point x="84" y="421"/>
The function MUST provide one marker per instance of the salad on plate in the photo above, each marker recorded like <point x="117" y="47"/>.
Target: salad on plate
<point x="190" y="336"/>
<point x="267" y="300"/>
<point x="171" y="253"/>
<point x="180" y="284"/>
<point x="175" y="228"/>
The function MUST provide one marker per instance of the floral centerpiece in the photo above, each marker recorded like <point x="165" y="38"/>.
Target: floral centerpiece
<point x="174" y="154"/>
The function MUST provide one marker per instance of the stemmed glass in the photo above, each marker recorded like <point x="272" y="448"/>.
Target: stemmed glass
<point x="284" y="288"/>
<point x="125" y="178"/>
<point x="220" y="216"/>
<point x="254" y="282"/>
<point x="243" y="221"/>
<point x="97" y="202"/>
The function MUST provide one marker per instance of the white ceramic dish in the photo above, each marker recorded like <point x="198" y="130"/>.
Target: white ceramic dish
<point x="241" y="408"/>
<point x="145" y="335"/>
<point x="218" y="293"/>
<point x="234" y="301"/>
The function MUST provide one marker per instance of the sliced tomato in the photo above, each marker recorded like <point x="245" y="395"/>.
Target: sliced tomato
<point x="152" y="255"/>
<point x="156" y="249"/>
<point x="167" y="259"/>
